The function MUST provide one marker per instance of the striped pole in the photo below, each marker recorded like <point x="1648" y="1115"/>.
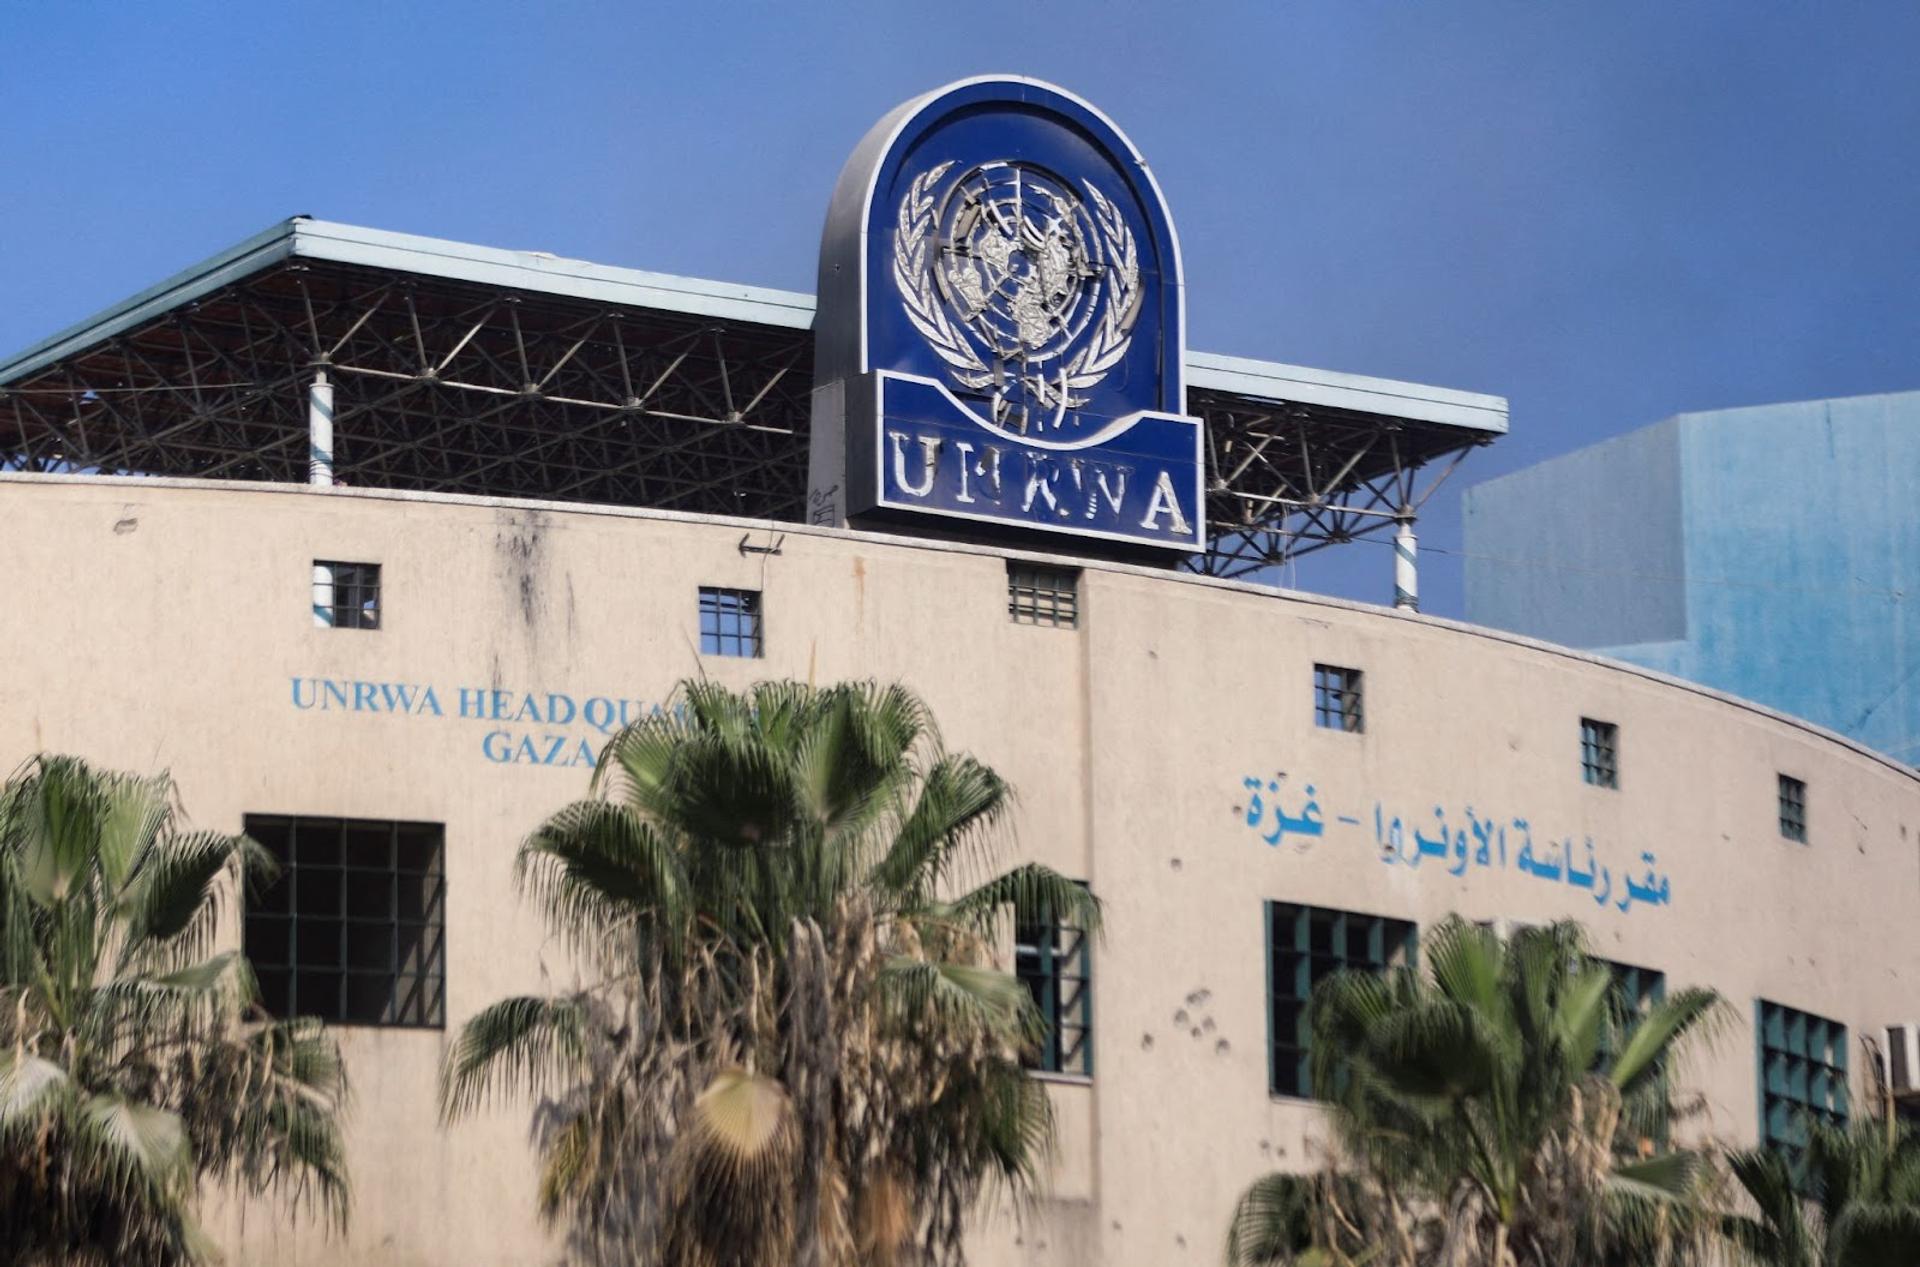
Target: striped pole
<point x="320" y="474"/>
<point x="1406" y="568"/>
<point x="320" y="430"/>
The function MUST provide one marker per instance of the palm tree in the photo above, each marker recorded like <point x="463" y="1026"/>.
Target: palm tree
<point x="133" y="1061"/>
<point x="1857" y="1205"/>
<point x="794" y="1045"/>
<point x="1496" y="1108"/>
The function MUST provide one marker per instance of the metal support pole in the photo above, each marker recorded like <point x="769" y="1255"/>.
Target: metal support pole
<point x="320" y="430"/>
<point x="1406" y="568"/>
<point x="320" y="473"/>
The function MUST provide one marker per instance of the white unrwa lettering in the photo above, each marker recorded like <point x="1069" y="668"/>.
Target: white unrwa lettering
<point x="1040" y="482"/>
<point x="1165" y="502"/>
<point x="989" y="472"/>
<point x="965" y="453"/>
<point x="1114" y="494"/>
<point x="929" y="455"/>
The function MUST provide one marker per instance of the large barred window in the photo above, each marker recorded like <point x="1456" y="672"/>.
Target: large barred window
<point x="353" y="929"/>
<point x="1054" y="962"/>
<point x="1803" y="1079"/>
<point x="1305" y="946"/>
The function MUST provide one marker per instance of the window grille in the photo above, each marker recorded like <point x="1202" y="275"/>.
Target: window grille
<point x="353" y="929"/>
<point x="1306" y="945"/>
<point x="1793" y="808"/>
<point x="346" y="595"/>
<point x="1039" y="595"/>
<point x="730" y="623"/>
<point x="1336" y="698"/>
<point x="1803" y="1080"/>
<point x="1600" y="752"/>
<point x="1052" y="959"/>
<point x="1635" y="989"/>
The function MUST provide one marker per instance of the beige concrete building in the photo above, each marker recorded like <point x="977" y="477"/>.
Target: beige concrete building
<point x="373" y="540"/>
<point x="1183" y="744"/>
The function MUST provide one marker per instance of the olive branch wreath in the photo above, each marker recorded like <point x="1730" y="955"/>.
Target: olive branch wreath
<point x="913" y="273"/>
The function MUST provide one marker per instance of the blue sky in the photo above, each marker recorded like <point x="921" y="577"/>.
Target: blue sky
<point x="1606" y="212"/>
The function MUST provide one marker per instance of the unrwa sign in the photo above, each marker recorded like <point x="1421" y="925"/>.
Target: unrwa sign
<point x="1001" y="332"/>
<point x="522" y="727"/>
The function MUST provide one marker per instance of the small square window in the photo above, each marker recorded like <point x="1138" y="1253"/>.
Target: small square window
<point x="351" y="931"/>
<point x="1793" y="808"/>
<point x="1336" y="698"/>
<point x="1039" y="595"/>
<point x="1052" y="959"/>
<point x="730" y="622"/>
<point x="346" y="595"/>
<point x="1600" y="752"/>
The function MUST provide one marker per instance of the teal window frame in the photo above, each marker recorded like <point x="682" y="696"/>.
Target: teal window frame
<point x="1802" y="1078"/>
<point x="1305" y="945"/>
<point x="1339" y="698"/>
<point x="1635" y="987"/>
<point x="1600" y="753"/>
<point x="1793" y="809"/>
<point x="1054" y="960"/>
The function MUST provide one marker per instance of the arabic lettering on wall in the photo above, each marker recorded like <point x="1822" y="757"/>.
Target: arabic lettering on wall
<point x="1457" y="844"/>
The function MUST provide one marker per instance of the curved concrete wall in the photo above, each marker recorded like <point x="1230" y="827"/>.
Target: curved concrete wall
<point x="159" y="623"/>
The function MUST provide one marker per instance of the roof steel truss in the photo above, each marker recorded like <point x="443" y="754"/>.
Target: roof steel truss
<point x="460" y="387"/>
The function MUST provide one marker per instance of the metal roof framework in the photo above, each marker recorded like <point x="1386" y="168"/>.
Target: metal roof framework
<point x="515" y="374"/>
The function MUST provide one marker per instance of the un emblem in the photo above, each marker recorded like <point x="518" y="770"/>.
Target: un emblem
<point x="1000" y="339"/>
<point x="1027" y="292"/>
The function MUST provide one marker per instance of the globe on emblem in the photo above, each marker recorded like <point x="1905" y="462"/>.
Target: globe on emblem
<point x="1020" y="269"/>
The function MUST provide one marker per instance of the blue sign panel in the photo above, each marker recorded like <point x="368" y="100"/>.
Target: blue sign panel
<point x="1001" y="331"/>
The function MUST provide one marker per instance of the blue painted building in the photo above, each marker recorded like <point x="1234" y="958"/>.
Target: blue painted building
<point x="1773" y="552"/>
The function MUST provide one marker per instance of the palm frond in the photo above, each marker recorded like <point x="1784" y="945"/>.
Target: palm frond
<point x="1777" y="1236"/>
<point x="960" y="999"/>
<point x="595" y="865"/>
<point x="172" y="893"/>
<point x="732" y="1201"/>
<point x="1667" y="1177"/>
<point x="31" y="1089"/>
<point x="517" y="1046"/>
<point x="54" y="826"/>
<point x="138" y="1144"/>
<point x="961" y="807"/>
<point x="1009" y="1117"/>
<point x="1033" y="893"/>
<point x="1666" y="1023"/>
<point x="1273" y="1222"/>
<point x="1875" y="1234"/>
